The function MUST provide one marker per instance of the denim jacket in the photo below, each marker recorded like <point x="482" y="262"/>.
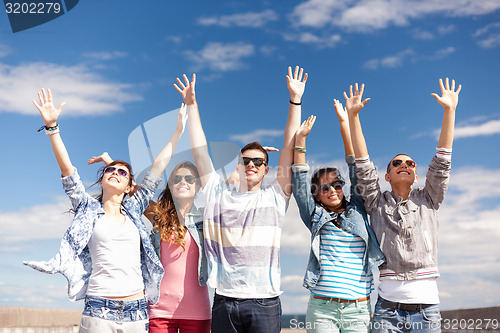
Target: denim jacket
<point x="194" y="223"/>
<point x="407" y="230"/>
<point x="73" y="260"/>
<point x="314" y="216"/>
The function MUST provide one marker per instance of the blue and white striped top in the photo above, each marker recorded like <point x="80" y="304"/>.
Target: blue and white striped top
<point x="341" y="259"/>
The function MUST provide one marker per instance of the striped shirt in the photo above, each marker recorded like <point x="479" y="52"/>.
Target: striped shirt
<point x="341" y="257"/>
<point x="242" y="234"/>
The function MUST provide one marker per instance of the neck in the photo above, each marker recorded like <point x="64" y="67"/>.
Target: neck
<point x="183" y="207"/>
<point x="112" y="204"/>
<point x="401" y="190"/>
<point x="248" y="186"/>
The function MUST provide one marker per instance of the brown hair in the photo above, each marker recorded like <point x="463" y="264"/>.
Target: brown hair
<point x="255" y="146"/>
<point x="165" y="213"/>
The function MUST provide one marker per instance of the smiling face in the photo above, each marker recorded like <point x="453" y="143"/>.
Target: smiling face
<point x="402" y="173"/>
<point x="117" y="178"/>
<point x="187" y="185"/>
<point x="330" y="197"/>
<point x="252" y="174"/>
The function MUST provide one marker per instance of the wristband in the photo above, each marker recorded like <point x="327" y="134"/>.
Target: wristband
<point x="52" y="131"/>
<point x="48" y="128"/>
<point x="299" y="103"/>
<point x="301" y="149"/>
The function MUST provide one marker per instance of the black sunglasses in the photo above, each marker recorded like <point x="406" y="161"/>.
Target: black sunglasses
<point x="257" y="161"/>
<point x="121" y="172"/>
<point x="410" y="163"/>
<point x="188" y="178"/>
<point x="336" y="184"/>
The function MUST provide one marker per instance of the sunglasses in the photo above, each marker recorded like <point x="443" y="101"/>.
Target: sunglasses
<point x="410" y="163"/>
<point x="257" y="161"/>
<point x="336" y="184"/>
<point x="121" y="172"/>
<point x="187" y="178"/>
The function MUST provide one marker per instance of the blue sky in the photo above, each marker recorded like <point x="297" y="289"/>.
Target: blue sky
<point x="115" y="63"/>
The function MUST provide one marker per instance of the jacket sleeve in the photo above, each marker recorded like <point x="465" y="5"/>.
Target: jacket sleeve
<point x="74" y="188"/>
<point x="140" y="200"/>
<point x="368" y="185"/>
<point x="302" y="192"/>
<point x="356" y="198"/>
<point x="436" y="181"/>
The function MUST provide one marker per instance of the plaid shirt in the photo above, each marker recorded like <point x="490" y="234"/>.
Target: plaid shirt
<point x="74" y="261"/>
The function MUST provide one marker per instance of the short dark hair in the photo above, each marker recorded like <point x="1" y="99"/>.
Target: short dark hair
<point x="255" y="146"/>
<point x="389" y="165"/>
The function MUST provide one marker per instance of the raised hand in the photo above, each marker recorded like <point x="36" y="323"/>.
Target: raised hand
<point x="296" y="83"/>
<point x="449" y="97"/>
<point x="49" y="113"/>
<point x="305" y="127"/>
<point x="182" y="119"/>
<point x="269" y="148"/>
<point x="187" y="89"/>
<point x="354" y="102"/>
<point x="104" y="157"/>
<point x="341" y="112"/>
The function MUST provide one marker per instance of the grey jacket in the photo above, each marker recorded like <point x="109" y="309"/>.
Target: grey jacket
<point x="407" y="231"/>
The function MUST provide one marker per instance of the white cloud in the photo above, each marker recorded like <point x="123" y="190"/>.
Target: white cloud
<point x="326" y="40"/>
<point x="490" y="127"/>
<point x="84" y="91"/>
<point x="422" y="35"/>
<point x="491" y="41"/>
<point x="46" y="221"/>
<point x="442" y="53"/>
<point x="485" y="29"/>
<point x="257" y="135"/>
<point x="393" y="61"/>
<point x="250" y="19"/>
<point x="4" y="50"/>
<point x="367" y="15"/>
<point x="267" y="50"/>
<point x="446" y="29"/>
<point x="105" y="55"/>
<point x="492" y="38"/>
<point x="221" y="57"/>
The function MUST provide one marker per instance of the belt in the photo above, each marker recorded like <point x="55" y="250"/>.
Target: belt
<point x="342" y="300"/>
<point x="232" y="299"/>
<point x="403" y="306"/>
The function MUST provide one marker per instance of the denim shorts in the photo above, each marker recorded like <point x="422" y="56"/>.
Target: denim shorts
<point x="115" y="310"/>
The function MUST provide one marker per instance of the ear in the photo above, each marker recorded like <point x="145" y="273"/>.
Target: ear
<point x="266" y="170"/>
<point x="387" y="177"/>
<point x="128" y="189"/>
<point x="416" y="178"/>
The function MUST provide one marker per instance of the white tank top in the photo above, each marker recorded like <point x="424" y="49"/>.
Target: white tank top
<point x="116" y="259"/>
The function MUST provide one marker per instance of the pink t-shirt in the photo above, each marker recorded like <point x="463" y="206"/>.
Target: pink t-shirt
<point x="181" y="296"/>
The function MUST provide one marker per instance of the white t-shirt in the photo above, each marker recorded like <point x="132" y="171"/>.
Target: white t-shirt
<point x="116" y="259"/>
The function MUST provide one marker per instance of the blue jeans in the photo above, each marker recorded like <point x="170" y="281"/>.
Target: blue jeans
<point x="114" y="310"/>
<point x="401" y="321"/>
<point x="246" y="315"/>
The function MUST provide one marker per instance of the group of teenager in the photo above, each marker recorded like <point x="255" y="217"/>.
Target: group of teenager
<point x="132" y="280"/>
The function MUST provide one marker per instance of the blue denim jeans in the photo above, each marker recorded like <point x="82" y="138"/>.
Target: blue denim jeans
<point x="401" y="321"/>
<point x="246" y="315"/>
<point x="119" y="311"/>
